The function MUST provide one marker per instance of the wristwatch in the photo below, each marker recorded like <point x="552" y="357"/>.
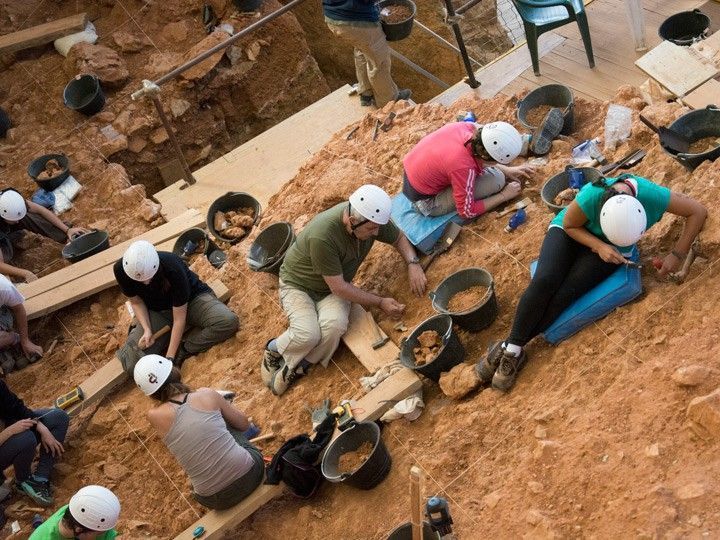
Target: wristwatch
<point x="414" y="260"/>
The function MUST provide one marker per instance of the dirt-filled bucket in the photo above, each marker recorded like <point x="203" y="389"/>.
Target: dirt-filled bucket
<point x="232" y="201"/>
<point x="698" y="126"/>
<point x="84" y="246"/>
<point x="396" y="18"/>
<point x="371" y="471"/>
<point x="560" y="182"/>
<point x="191" y="242"/>
<point x="39" y="165"/>
<point x="550" y="95"/>
<point x="267" y="252"/>
<point x="83" y="94"/>
<point x="404" y="532"/>
<point x="450" y="354"/>
<point x="478" y="315"/>
<point x="685" y="28"/>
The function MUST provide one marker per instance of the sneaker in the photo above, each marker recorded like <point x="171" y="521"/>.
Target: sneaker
<point x="367" y="100"/>
<point x="283" y="378"/>
<point x="39" y="492"/>
<point x="272" y="362"/>
<point x="180" y="356"/>
<point x="549" y="128"/>
<point x="486" y="367"/>
<point x="406" y="93"/>
<point x="228" y="395"/>
<point x="508" y="370"/>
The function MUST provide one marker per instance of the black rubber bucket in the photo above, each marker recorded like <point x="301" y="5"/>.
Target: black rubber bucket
<point x="685" y="28"/>
<point x="370" y="473"/>
<point x="555" y="95"/>
<point x="479" y="316"/>
<point x="37" y="166"/>
<point x="697" y="125"/>
<point x="231" y="201"/>
<point x="83" y="246"/>
<point x="404" y="532"/>
<point x="197" y="236"/>
<point x="400" y="30"/>
<point x="83" y="94"/>
<point x="247" y="5"/>
<point x="560" y="182"/>
<point x="5" y="123"/>
<point x="450" y="355"/>
<point x="267" y="252"/>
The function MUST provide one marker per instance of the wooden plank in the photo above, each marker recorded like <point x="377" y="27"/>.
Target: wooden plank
<point x="359" y="339"/>
<point x="385" y="395"/>
<point x="706" y="94"/>
<point x="264" y="170"/>
<point x="111" y="375"/>
<point x="191" y="218"/>
<point x="42" y="34"/>
<point x="216" y="522"/>
<point x="676" y="68"/>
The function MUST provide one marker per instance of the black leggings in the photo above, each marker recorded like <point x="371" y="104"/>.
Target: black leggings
<point x="565" y="271"/>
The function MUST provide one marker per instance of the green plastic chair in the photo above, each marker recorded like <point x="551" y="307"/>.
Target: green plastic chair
<point x="540" y="16"/>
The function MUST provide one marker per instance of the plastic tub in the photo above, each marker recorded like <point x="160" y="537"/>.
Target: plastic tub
<point x="84" y="94"/>
<point x="555" y="95"/>
<point x="450" y="354"/>
<point x="697" y="125"/>
<point x="37" y="166"/>
<point x="400" y="30"/>
<point x="372" y="471"/>
<point x="267" y="252"/>
<point x="231" y="201"/>
<point x="196" y="235"/>
<point x="477" y="317"/>
<point x="560" y="182"/>
<point x="685" y="28"/>
<point x="83" y="246"/>
<point x="404" y="532"/>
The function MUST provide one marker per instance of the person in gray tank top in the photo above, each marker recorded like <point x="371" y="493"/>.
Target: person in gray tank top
<point x="204" y="432"/>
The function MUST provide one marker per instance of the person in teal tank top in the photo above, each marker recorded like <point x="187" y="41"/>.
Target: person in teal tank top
<point x="583" y="246"/>
<point x="91" y="514"/>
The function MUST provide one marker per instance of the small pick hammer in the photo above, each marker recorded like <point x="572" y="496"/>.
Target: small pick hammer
<point x="380" y="338"/>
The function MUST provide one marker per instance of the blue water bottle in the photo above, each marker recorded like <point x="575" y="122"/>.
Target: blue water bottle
<point x="517" y="219"/>
<point x="469" y="117"/>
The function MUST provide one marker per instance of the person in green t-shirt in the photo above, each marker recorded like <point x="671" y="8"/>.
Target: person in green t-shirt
<point x="91" y="514"/>
<point x="316" y="287"/>
<point x="583" y="246"/>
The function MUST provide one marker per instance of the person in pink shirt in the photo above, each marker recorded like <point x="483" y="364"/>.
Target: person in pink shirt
<point x="463" y="166"/>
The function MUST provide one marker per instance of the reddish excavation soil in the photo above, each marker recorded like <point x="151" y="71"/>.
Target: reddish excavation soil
<point x="593" y="441"/>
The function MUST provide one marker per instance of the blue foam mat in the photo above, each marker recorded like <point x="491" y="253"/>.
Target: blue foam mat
<point x="623" y="286"/>
<point x="422" y="231"/>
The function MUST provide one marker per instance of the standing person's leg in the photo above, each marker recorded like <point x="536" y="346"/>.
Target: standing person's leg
<point x="364" y="87"/>
<point x="130" y="352"/>
<point x="209" y="322"/>
<point x="557" y="255"/>
<point x="333" y="315"/>
<point x="57" y="421"/>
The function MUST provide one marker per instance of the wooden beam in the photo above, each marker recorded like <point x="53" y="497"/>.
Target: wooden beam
<point x="42" y="34"/>
<point x="359" y="339"/>
<point x="704" y="95"/>
<point x="166" y="231"/>
<point x="385" y="395"/>
<point x="111" y="375"/>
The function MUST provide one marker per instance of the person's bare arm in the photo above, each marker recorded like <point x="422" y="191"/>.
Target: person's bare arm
<point x="687" y="207"/>
<point x="10" y="270"/>
<point x="21" y="323"/>
<point x="574" y="225"/>
<point x="348" y="291"/>
<point x="232" y="415"/>
<point x="178" y="327"/>
<point x="416" y="275"/>
<point x="47" y="214"/>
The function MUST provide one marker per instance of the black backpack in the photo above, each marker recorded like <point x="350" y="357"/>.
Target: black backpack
<point x="297" y="462"/>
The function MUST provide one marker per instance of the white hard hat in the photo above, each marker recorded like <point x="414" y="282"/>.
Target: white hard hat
<point x="95" y="507"/>
<point x="12" y="206"/>
<point x="151" y="372"/>
<point x="141" y="261"/>
<point x="623" y="220"/>
<point x="501" y="141"/>
<point x="372" y="203"/>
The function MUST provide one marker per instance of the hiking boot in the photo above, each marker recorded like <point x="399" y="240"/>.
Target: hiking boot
<point x="272" y="361"/>
<point x="285" y="377"/>
<point x="39" y="492"/>
<point x="227" y="395"/>
<point x="508" y="370"/>
<point x="404" y="93"/>
<point x="549" y="128"/>
<point x="367" y="100"/>
<point x="486" y="367"/>
<point x="180" y="356"/>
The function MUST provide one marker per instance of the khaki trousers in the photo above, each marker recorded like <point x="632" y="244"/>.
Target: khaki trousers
<point x="372" y="60"/>
<point x="490" y="182"/>
<point x="315" y="327"/>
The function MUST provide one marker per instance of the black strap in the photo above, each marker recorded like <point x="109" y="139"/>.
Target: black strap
<point x="179" y="402"/>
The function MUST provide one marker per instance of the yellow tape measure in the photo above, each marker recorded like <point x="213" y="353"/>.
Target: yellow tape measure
<point x="71" y="398"/>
